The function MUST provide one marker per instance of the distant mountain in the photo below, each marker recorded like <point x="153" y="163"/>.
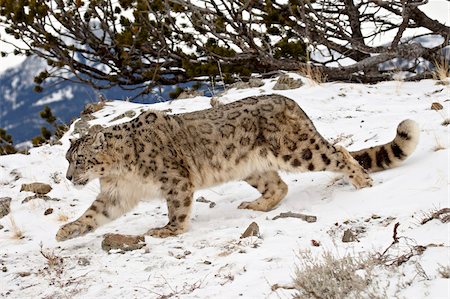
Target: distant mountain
<point x="20" y="105"/>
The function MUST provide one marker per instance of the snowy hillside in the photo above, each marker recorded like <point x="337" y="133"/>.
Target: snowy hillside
<point x="20" y="105"/>
<point x="210" y="260"/>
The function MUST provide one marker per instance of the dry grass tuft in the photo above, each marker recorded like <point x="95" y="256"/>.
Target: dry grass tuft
<point x="444" y="271"/>
<point x="439" y="145"/>
<point x="62" y="217"/>
<point x="442" y="215"/>
<point x="446" y="122"/>
<point x="53" y="261"/>
<point x="441" y="71"/>
<point x="314" y="74"/>
<point x="16" y="231"/>
<point x="329" y="277"/>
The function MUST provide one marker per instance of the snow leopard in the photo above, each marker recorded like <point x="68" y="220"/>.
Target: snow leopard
<point x="171" y="156"/>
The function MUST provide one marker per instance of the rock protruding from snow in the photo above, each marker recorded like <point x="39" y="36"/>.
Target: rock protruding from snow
<point x="202" y="199"/>
<point x="37" y="188"/>
<point x="127" y="114"/>
<point x="252" y="83"/>
<point x="48" y="211"/>
<point x="307" y="218"/>
<point x="93" y="107"/>
<point x="436" y="106"/>
<point x="286" y="82"/>
<point x="122" y="242"/>
<point x="189" y="94"/>
<point x="82" y="126"/>
<point x="348" y="236"/>
<point x="5" y="203"/>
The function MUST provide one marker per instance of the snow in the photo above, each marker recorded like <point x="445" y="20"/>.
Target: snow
<point x="64" y="94"/>
<point x="210" y="260"/>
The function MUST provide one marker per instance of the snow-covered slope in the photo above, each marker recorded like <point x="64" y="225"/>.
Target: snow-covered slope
<point x="20" y="105"/>
<point x="210" y="260"/>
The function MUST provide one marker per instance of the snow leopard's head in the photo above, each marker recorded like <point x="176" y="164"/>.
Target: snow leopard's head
<point x="87" y="157"/>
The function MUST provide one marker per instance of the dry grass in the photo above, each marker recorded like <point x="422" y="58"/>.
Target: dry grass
<point x="175" y="292"/>
<point x="17" y="233"/>
<point x="314" y="74"/>
<point x="62" y="217"/>
<point x="53" y="261"/>
<point x="439" y="145"/>
<point x="446" y="122"/>
<point x="441" y="71"/>
<point x="444" y="271"/>
<point x="442" y="215"/>
<point x="329" y="277"/>
<point x="53" y="270"/>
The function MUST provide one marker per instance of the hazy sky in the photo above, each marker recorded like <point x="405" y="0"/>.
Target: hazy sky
<point x="436" y="9"/>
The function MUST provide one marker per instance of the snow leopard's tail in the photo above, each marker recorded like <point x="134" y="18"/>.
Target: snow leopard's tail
<point x="390" y="154"/>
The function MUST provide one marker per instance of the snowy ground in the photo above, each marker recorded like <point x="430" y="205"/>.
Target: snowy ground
<point x="210" y="260"/>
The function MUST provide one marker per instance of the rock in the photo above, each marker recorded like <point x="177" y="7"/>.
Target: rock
<point x="93" y="107"/>
<point x="252" y="83"/>
<point x="129" y="114"/>
<point x="38" y="188"/>
<point x="202" y="199"/>
<point x="87" y="117"/>
<point x="307" y="218"/>
<point x="82" y="261"/>
<point x="1" y="226"/>
<point x="81" y="127"/>
<point x="180" y="255"/>
<point x="16" y="174"/>
<point x="44" y="197"/>
<point x="5" y="203"/>
<point x="436" y="106"/>
<point x="285" y="82"/>
<point x="252" y="230"/>
<point x="189" y="94"/>
<point x="48" y="211"/>
<point x="122" y="242"/>
<point x="315" y="243"/>
<point x="23" y="274"/>
<point x="348" y="236"/>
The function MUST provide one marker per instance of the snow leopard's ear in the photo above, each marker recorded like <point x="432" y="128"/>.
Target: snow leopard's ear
<point x="99" y="142"/>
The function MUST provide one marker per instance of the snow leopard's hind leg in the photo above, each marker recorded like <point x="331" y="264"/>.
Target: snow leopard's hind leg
<point x="271" y="187"/>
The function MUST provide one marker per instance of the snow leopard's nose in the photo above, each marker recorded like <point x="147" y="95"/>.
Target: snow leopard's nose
<point x="69" y="177"/>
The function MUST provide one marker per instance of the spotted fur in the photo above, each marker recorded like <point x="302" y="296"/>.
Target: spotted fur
<point x="170" y="156"/>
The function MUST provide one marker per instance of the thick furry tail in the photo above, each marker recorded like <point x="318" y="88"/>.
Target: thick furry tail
<point x="390" y="154"/>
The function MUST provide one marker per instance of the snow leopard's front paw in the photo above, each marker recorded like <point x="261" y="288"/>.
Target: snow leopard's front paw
<point x="72" y="230"/>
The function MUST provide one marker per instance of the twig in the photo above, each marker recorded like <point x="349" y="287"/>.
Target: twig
<point x="413" y="250"/>
<point x="395" y="232"/>
<point x="395" y="237"/>
<point x="282" y="286"/>
<point x="416" y="250"/>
